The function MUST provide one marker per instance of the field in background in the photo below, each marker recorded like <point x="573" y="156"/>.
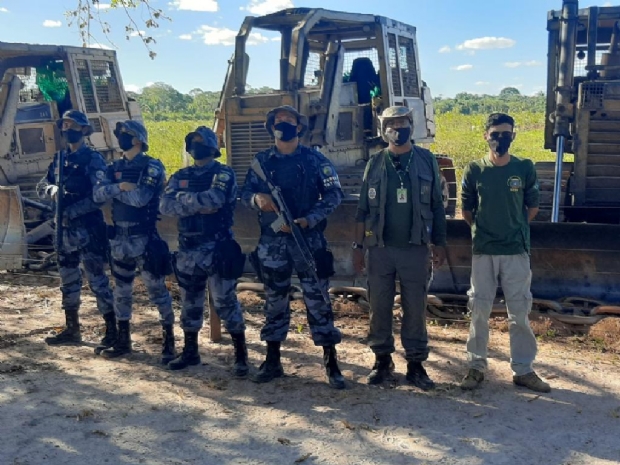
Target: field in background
<point x="167" y="141"/>
<point x="458" y="136"/>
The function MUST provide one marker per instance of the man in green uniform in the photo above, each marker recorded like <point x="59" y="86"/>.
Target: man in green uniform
<point x="500" y="198"/>
<point x="400" y="214"/>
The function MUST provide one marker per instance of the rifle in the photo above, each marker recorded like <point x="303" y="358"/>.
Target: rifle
<point x="60" y="195"/>
<point x="285" y="218"/>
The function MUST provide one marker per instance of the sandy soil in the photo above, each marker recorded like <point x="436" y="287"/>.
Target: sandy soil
<point x="64" y="405"/>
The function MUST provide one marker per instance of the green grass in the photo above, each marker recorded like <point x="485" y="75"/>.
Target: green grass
<point x="458" y="136"/>
<point x="167" y="141"/>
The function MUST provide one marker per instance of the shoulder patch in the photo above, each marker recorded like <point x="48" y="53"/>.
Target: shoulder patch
<point x="327" y="170"/>
<point x="100" y="175"/>
<point x="223" y="176"/>
<point x="153" y="170"/>
<point x="184" y="183"/>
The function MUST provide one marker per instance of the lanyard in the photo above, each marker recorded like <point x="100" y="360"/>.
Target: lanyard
<point x="402" y="183"/>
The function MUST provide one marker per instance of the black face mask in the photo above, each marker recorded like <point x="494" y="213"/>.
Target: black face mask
<point x="200" y="152"/>
<point x="403" y="136"/>
<point x="285" y="131"/>
<point x="73" y="136"/>
<point x="500" y="145"/>
<point x="125" y="141"/>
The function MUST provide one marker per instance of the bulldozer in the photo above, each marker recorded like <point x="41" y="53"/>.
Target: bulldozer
<point x="38" y="84"/>
<point x="340" y="70"/>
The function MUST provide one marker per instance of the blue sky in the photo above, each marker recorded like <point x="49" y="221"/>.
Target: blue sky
<point x="473" y="46"/>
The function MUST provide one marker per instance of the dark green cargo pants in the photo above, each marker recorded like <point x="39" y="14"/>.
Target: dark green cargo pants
<point x="411" y="267"/>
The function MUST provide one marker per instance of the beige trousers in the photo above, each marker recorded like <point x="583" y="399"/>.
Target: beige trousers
<point x="515" y="276"/>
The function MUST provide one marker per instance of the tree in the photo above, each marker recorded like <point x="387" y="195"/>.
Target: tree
<point x="509" y="92"/>
<point x="88" y="12"/>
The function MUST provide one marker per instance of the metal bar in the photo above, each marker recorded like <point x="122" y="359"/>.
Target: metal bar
<point x="592" y="35"/>
<point x="557" y="185"/>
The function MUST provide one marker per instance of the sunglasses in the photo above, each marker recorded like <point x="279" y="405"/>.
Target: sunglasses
<point x="503" y="134"/>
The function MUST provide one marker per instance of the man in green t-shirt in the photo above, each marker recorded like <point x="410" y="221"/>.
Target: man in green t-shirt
<point x="500" y="198"/>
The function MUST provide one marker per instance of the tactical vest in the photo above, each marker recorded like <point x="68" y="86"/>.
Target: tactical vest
<point x="210" y="225"/>
<point x="298" y="179"/>
<point x="146" y="216"/>
<point x="422" y="172"/>
<point x="76" y="182"/>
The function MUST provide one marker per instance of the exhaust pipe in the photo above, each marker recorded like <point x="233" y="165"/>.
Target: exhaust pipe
<point x="561" y="130"/>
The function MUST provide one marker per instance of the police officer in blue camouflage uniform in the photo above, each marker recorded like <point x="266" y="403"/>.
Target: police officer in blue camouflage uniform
<point x="84" y="237"/>
<point x="135" y="183"/>
<point x="311" y="189"/>
<point x="203" y="197"/>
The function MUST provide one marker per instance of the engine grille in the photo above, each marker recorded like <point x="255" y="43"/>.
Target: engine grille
<point x="246" y="140"/>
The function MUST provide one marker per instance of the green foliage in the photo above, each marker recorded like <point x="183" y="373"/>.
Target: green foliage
<point x="509" y="100"/>
<point x="170" y="115"/>
<point x="167" y="141"/>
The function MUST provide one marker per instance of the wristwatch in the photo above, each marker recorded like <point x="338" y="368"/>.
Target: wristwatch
<point x="355" y="245"/>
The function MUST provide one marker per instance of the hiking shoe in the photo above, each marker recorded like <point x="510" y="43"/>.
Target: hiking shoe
<point x="473" y="379"/>
<point x="531" y="381"/>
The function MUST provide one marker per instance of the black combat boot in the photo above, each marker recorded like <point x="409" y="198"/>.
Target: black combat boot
<point x="122" y="346"/>
<point x="167" y="348"/>
<point x="271" y="368"/>
<point x="382" y="369"/>
<point x="240" y="369"/>
<point x="334" y="377"/>
<point x="189" y="356"/>
<point x="71" y="334"/>
<point x="111" y="333"/>
<point x="416" y="375"/>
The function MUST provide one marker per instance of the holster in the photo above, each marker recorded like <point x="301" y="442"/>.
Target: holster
<point x="324" y="260"/>
<point x="229" y="259"/>
<point x="157" y="258"/>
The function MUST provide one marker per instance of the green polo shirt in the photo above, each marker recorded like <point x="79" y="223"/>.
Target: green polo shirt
<point x="498" y="197"/>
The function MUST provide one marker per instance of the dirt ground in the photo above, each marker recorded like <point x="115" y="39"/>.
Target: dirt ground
<point x="65" y="405"/>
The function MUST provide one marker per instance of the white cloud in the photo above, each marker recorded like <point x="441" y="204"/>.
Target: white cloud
<point x="607" y="4"/>
<point x="462" y="67"/>
<point x="3" y="10"/>
<point x="149" y="84"/>
<point x="195" y="5"/>
<point x="486" y="43"/>
<point x="136" y="33"/>
<point x="276" y="39"/>
<point x="51" y="23"/>
<point x="224" y="36"/>
<point x="517" y="64"/>
<point x="445" y="49"/>
<point x="102" y="6"/>
<point x="265" y="7"/>
<point x="482" y="83"/>
<point x="101" y="46"/>
<point x="132" y="88"/>
<point x="185" y="37"/>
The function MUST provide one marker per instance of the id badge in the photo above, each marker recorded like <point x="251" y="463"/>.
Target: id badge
<point x="401" y="195"/>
